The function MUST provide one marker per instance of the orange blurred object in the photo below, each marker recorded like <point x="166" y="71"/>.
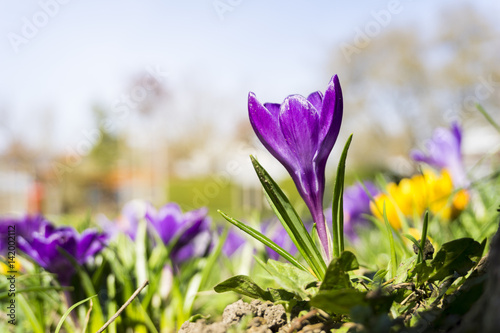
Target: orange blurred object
<point x="35" y="198"/>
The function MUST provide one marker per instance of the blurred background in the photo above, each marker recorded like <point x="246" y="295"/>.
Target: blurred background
<point x="105" y="102"/>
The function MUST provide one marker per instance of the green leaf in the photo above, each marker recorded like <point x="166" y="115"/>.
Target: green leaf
<point x="339" y="301"/>
<point x="379" y="276"/>
<point x="281" y="295"/>
<point x="459" y="256"/>
<point x="289" y="277"/>
<point x="261" y="263"/>
<point x="338" y="205"/>
<point x="413" y="240"/>
<point x="423" y="270"/>
<point x="242" y="284"/>
<point x="404" y="267"/>
<point x="291" y="221"/>
<point x="66" y="314"/>
<point x="336" y="276"/>
<point x="264" y="240"/>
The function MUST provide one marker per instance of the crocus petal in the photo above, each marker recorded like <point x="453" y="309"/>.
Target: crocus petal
<point x="316" y="99"/>
<point x="298" y="120"/>
<point x="266" y="125"/>
<point x="457" y="133"/>
<point x="167" y="221"/>
<point x="90" y="243"/>
<point x="195" y="222"/>
<point x="419" y="156"/>
<point x="330" y="119"/>
<point x="196" y="248"/>
<point x="273" y="108"/>
<point x="444" y="150"/>
<point x="26" y="247"/>
<point x="233" y="242"/>
<point x="68" y="240"/>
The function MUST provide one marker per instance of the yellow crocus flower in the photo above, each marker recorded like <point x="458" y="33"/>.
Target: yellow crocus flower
<point x="377" y="209"/>
<point x="7" y="269"/>
<point x="413" y="196"/>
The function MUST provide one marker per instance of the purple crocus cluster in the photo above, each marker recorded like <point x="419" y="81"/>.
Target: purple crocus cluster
<point x="189" y="231"/>
<point x="46" y="243"/>
<point x="188" y="235"/>
<point x="301" y="133"/>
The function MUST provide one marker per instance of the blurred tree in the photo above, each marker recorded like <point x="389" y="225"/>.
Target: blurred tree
<point x="470" y="45"/>
<point x="91" y="182"/>
<point x="402" y="83"/>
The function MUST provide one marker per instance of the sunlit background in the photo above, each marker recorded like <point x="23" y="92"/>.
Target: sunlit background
<point x="102" y="102"/>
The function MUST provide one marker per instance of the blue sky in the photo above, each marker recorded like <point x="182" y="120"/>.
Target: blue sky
<point x="88" y="51"/>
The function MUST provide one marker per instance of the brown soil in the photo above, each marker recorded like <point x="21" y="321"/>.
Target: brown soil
<point x="254" y="317"/>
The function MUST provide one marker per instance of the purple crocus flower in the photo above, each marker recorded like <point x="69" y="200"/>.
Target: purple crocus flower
<point x="233" y="242"/>
<point x="128" y="220"/>
<point x="24" y="226"/>
<point x="190" y="231"/>
<point x="356" y="204"/>
<point x="445" y="151"/>
<point x="301" y="133"/>
<point x="43" y="247"/>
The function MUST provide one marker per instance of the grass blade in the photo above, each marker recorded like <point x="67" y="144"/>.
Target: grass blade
<point x="66" y="314"/>
<point x="394" y="259"/>
<point x="112" y="303"/>
<point x="25" y="307"/>
<point x="291" y="221"/>
<point x="212" y="259"/>
<point x="264" y="240"/>
<point x="34" y="289"/>
<point x="488" y="117"/>
<point x="88" y="287"/>
<point x="141" y="268"/>
<point x="413" y="240"/>
<point x="338" y="204"/>
<point x="423" y="238"/>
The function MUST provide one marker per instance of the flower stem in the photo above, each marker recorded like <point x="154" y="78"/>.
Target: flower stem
<point x="324" y="236"/>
